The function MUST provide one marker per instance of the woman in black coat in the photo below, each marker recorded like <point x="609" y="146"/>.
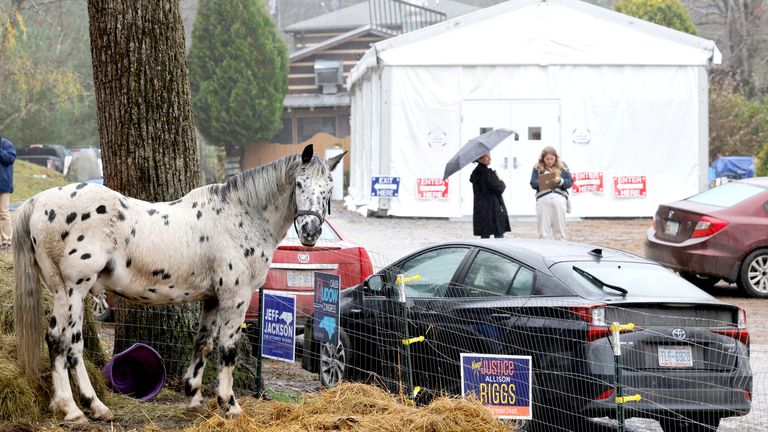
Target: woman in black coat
<point x="490" y="214"/>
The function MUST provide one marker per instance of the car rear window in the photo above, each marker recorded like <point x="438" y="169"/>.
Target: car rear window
<point x="639" y="279"/>
<point x="727" y="195"/>
<point x="327" y="234"/>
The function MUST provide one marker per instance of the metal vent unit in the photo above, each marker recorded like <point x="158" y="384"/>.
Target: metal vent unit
<point x="328" y="74"/>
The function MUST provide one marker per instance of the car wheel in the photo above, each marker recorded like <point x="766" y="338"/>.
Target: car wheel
<point x="703" y="423"/>
<point x="701" y="281"/>
<point x="100" y="308"/>
<point x="334" y="362"/>
<point x="753" y="275"/>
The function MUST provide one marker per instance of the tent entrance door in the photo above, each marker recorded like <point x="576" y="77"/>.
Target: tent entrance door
<point x="538" y="124"/>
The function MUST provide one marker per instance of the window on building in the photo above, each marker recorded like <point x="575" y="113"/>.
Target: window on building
<point x="285" y="135"/>
<point x="309" y="126"/>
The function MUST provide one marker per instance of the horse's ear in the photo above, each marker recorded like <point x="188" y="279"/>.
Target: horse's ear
<point x="306" y="155"/>
<point x="332" y="162"/>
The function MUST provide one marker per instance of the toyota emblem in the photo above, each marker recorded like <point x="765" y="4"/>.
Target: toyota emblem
<point x="678" y="334"/>
<point x="304" y="258"/>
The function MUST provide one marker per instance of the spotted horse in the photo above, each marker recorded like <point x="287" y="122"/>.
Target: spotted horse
<point x="213" y="245"/>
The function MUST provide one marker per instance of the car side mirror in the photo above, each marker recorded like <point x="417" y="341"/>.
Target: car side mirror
<point x="374" y="283"/>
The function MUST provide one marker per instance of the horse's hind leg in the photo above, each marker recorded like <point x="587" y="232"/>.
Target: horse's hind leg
<point x="65" y="347"/>
<point x="193" y="378"/>
<point x="88" y="397"/>
<point x="61" y="330"/>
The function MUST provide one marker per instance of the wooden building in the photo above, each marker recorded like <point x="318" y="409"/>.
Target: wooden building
<point x="323" y="51"/>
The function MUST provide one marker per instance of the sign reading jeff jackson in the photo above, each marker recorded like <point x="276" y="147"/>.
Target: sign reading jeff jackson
<point x="629" y="186"/>
<point x="500" y="382"/>
<point x="279" y="327"/>
<point x="325" y="318"/>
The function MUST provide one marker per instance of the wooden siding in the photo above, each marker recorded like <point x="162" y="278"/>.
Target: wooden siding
<point x="301" y="76"/>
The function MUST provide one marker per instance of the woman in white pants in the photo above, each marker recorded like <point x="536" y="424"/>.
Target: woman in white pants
<point x="552" y="197"/>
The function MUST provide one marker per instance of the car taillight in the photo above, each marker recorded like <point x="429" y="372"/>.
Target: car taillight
<point x="366" y="267"/>
<point x="706" y="226"/>
<point x="740" y="333"/>
<point x="594" y="316"/>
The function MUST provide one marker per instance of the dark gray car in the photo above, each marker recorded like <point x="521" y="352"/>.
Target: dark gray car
<point x="687" y="357"/>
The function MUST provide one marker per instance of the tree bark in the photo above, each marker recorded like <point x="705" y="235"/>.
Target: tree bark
<point x="147" y="138"/>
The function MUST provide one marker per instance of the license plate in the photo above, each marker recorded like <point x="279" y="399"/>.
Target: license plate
<point x="675" y="356"/>
<point x="300" y="278"/>
<point x="671" y="227"/>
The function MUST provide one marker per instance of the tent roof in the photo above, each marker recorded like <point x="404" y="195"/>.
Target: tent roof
<point x="359" y="15"/>
<point x="540" y="32"/>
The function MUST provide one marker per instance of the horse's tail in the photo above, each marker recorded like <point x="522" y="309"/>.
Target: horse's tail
<point x="28" y="302"/>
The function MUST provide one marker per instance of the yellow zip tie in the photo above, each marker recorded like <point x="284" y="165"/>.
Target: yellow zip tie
<point x="401" y="280"/>
<point x="625" y="399"/>
<point x="622" y="327"/>
<point x="416" y="390"/>
<point x="413" y="340"/>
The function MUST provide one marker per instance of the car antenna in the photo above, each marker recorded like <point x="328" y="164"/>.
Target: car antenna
<point x="597" y="252"/>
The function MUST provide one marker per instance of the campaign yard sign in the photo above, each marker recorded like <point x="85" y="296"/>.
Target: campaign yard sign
<point x="278" y="331"/>
<point x="629" y="186"/>
<point x="500" y="382"/>
<point x="385" y="187"/>
<point x="326" y="308"/>
<point x="587" y="182"/>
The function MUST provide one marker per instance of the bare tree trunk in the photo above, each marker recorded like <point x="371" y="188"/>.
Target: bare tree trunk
<point x="147" y="138"/>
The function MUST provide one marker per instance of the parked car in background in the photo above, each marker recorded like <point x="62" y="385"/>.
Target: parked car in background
<point x="687" y="356"/>
<point x="51" y="156"/>
<point x="721" y="233"/>
<point x="293" y="266"/>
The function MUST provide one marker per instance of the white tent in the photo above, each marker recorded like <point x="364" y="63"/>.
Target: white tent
<point x="624" y="102"/>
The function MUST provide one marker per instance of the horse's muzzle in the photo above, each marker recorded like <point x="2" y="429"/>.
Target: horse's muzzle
<point x="309" y="230"/>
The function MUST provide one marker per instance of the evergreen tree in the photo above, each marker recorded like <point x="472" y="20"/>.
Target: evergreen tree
<point x="238" y="73"/>
<point x="669" y="13"/>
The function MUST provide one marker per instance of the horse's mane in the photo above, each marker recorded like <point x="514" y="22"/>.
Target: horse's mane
<point x="265" y="184"/>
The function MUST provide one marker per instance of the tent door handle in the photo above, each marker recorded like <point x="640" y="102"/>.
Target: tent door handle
<point x="514" y="162"/>
<point x="506" y="163"/>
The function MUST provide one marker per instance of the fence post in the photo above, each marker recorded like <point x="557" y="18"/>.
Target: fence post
<point x="407" y="341"/>
<point x="260" y="327"/>
<point x="616" y="329"/>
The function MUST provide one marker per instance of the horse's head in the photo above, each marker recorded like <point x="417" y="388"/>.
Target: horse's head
<point x="313" y="194"/>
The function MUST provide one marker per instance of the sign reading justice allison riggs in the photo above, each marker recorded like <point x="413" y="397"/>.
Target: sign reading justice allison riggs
<point x="500" y="382"/>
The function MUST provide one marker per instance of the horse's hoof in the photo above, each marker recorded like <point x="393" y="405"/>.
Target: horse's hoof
<point x="76" y="418"/>
<point x="196" y="407"/>
<point x="104" y="416"/>
<point x="233" y="411"/>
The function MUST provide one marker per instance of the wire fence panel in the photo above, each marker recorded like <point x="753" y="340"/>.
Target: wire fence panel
<point x="683" y="365"/>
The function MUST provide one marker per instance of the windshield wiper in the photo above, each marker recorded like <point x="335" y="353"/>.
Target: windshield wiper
<point x="598" y="283"/>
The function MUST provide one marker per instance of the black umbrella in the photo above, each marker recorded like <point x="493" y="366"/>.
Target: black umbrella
<point x="475" y="148"/>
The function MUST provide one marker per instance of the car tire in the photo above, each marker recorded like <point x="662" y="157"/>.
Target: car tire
<point x="334" y="362"/>
<point x="100" y="308"/>
<point x="753" y="275"/>
<point x="702" y="281"/>
<point x="694" y="423"/>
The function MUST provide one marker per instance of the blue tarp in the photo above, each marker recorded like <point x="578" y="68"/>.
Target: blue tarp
<point x="733" y="167"/>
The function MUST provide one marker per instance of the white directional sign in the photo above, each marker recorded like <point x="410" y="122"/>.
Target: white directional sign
<point x="388" y="187"/>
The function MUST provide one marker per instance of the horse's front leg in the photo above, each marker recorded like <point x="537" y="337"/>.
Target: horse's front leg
<point x="232" y="315"/>
<point x="193" y="378"/>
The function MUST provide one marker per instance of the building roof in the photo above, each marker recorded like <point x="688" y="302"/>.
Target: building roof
<point x="541" y="33"/>
<point x="358" y="15"/>
<point x="337" y="40"/>
<point x="316" y="100"/>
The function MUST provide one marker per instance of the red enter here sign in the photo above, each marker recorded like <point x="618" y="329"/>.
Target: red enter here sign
<point x="431" y="188"/>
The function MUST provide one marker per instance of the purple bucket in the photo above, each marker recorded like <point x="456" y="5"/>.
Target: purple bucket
<point x="137" y="371"/>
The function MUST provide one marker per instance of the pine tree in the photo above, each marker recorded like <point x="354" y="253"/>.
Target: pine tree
<point x="238" y="67"/>
<point x="669" y="13"/>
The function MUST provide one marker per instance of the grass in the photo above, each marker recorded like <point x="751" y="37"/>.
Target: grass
<point x="29" y="179"/>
